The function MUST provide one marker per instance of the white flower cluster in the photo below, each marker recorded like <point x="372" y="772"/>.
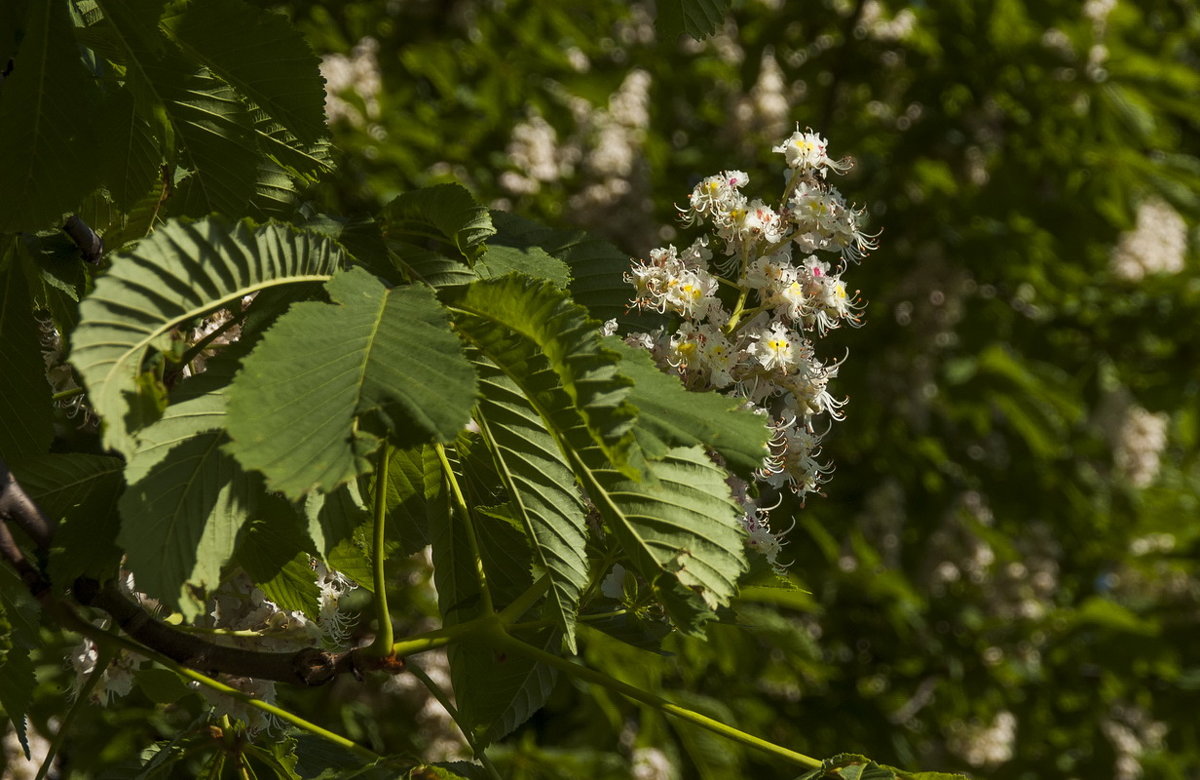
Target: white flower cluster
<point x="1132" y="733"/>
<point x="116" y="680"/>
<point x="238" y="605"/>
<point x="986" y="746"/>
<point x="754" y="342"/>
<point x="1138" y="445"/>
<point x="1156" y="245"/>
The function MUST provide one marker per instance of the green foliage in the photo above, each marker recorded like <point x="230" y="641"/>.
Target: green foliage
<point x="46" y="122"/>
<point x="390" y="370"/>
<point x="983" y="553"/>
<point x="26" y="417"/>
<point x="182" y="272"/>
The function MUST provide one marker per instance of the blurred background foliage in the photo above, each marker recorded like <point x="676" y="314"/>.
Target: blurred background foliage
<point x="1002" y="578"/>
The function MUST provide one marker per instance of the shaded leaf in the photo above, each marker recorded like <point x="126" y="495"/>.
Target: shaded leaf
<point x="446" y="212"/>
<point x="181" y="272"/>
<point x="697" y="18"/>
<point x="80" y="492"/>
<point x="26" y="414"/>
<point x="131" y="157"/>
<point x="531" y="261"/>
<point x="596" y="266"/>
<point x="47" y="159"/>
<point x="261" y="55"/>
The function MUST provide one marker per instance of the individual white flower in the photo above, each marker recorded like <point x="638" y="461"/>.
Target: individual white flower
<point x="777" y="348"/>
<point x="761" y="539"/>
<point x="769" y="271"/>
<point x="805" y="151"/>
<point x="715" y="195"/>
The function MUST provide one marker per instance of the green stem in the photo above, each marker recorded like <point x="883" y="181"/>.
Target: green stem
<point x="460" y="503"/>
<point x="100" y="637"/>
<point x="384" y="636"/>
<point x="731" y="325"/>
<point x="74" y="391"/>
<point x="444" y="700"/>
<point x="531" y="625"/>
<point x="521" y="604"/>
<point x="637" y="694"/>
<point x="104" y="656"/>
<point x="431" y="640"/>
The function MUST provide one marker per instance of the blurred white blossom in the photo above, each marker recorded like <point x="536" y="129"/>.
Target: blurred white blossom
<point x="353" y="84"/>
<point x="1132" y="733"/>
<point x="1156" y="245"/>
<point x="985" y="745"/>
<point x="1138" y="443"/>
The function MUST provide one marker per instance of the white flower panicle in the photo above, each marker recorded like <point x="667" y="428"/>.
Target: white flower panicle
<point x="1156" y="245"/>
<point x="754" y="338"/>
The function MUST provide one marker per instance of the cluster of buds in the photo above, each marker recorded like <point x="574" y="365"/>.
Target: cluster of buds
<point x="753" y="339"/>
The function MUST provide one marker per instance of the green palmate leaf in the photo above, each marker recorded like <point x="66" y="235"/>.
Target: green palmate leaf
<point x="330" y="381"/>
<point x="697" y="18"/>
<point x="304" y="160"/>
<point x="671" y="416"/>
<point x="166" y="281"/>
<point x="187" y="501"/>
<point x="286" y="165"/>
<point x="444" y="212"/>
<point x="541" y="488"/>
<point x="16" y="690"/>
<point x="504" y="689"/>
<point x="131" y="156"/>
<point x="19" y="634"/>
<point x="26" y="414"/>
<point x="46" y="123"/>
<point x="499" y="691"/>
<point x="427" y="266"/>
<point x="275" y="551"/>
<point x="334" y="517"/>
<point x="261" y="55"/>
<point x="516" y="322"/>
<point x="596" y="266"/>
<point x="414" y="479"/>
<point x="217" y="134"/>
<point x="275" y="193"/>
<point x="185" y="105"/>
<point x="504" y="550"/>
<point x="680" y="526"/>
<point x="531" y="261"/>
<point x="79" y="492"/>
<point x="181" y="515"/>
